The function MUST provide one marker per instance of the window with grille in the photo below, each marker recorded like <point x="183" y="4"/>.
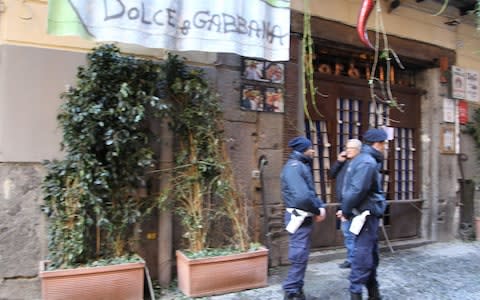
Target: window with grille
<point x="404" y="183"/>
<point x="349" y="121"/>
<point x="399" y="165"/>
<point x="317" y="133"/>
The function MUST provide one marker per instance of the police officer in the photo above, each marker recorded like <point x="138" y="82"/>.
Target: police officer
<point x="302" y="208"/>
<point x="362" y="191"/>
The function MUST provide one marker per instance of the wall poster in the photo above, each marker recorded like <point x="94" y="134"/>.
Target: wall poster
<point x="458" y="85"/>
<point x="472" y="85"/>
<point x="448" y="110"/>
<point x="263" y="86"/>
<point x="447" y="139"/>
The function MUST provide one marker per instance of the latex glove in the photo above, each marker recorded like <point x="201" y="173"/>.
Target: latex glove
<point x="322" y="216"/>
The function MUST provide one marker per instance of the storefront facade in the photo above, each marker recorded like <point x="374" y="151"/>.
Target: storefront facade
<point x="421" y="179"/>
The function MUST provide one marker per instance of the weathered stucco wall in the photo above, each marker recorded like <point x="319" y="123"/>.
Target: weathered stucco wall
<point x="31" y="81"/>
<point x="439" y="171"/>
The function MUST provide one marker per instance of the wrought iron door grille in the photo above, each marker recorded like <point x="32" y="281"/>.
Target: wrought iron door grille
<point x="404" y="163"/>
<point x="349" y="123"/>
<point x="317" y="132"/>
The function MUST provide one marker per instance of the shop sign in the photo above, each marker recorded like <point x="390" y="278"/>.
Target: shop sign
<point x="463" y="112"/>
<point x="457" y="85"/>
<point x="472" y="86"/>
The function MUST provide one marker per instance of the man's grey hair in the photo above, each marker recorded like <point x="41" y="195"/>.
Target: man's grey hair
<point x="355" y="143"/>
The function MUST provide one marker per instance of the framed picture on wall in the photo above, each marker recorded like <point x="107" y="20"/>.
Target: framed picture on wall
<point x="274" y="100"/>
<point x="254" y="70"/>
<point x="275" y="72"/>
<point x="252" y="98"/>
<point x="447" y="139"/>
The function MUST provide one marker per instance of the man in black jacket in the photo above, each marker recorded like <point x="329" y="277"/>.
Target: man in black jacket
<point x="337" y="172"/>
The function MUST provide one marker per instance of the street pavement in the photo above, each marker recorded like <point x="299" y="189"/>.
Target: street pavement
<point x="433" y="271"/>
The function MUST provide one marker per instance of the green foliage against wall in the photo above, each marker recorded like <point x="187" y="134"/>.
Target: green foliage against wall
<point x="91" y="196"/>
<point x="473" y="128"/>
<point x="202" y="188"/>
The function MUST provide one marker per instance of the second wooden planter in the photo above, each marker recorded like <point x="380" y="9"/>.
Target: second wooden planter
<point x="222" y="274"/>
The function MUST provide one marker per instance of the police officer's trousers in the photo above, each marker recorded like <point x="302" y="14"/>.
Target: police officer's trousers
<point x="365" y="260"/>
<point x="298" y="252"/>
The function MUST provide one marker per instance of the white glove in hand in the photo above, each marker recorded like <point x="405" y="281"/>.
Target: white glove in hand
<point x="358" y="221"/>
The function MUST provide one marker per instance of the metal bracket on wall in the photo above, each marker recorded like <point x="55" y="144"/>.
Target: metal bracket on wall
<point x="27" y="12"/>
<point x="3" y="7"/>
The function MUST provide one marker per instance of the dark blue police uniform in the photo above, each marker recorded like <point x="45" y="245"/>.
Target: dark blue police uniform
<point x="362" y="190"/>
<point x="298" y="192"/>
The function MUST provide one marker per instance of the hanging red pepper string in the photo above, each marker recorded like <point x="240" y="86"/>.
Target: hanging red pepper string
<point x="363" y="14"/>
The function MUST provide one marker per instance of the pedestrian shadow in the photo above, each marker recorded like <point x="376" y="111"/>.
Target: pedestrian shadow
<point x="338" y="295"/>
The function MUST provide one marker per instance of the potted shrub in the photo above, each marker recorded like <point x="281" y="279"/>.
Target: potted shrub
<point x="203" y="193"/>
<point x="92" y="196"/>
<point x="473" y="128"/>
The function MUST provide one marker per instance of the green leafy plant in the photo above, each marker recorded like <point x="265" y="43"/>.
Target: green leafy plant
<point x="92" y="196"/>
<point x="473" y="129"/>
<point x="202" y="188"/>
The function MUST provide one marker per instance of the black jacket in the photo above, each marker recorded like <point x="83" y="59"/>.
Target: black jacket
<point x="337" y="172"/>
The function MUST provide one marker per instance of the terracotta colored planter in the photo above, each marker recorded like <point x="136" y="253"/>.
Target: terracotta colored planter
<point x="116" y="282"/>
<point x="222" y="274"/>
<point x="477" y="228"/>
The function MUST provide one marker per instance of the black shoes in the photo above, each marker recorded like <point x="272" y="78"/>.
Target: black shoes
<point x="295" y="296"/>
<point x="355" y="296"/>
<point x="345" y="265"/>
<point x="373" y="293"/>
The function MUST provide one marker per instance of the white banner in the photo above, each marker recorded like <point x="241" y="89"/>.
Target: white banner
<point x="253" y="28"/>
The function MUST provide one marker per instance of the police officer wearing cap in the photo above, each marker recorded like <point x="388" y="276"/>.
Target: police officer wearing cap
<point x="362" y="191"/>
<point x="302" y="208"/>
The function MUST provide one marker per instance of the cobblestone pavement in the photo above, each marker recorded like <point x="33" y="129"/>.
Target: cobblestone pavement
<point x="438" y="271"/>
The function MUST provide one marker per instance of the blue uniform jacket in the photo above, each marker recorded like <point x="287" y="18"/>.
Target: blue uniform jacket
<point x="362" y="185"/>
<point x="298" y="190"/>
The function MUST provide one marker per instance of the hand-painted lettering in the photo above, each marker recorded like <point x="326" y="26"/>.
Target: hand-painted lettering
<point x="201" y="20"/>
<point x="118" y="14"/>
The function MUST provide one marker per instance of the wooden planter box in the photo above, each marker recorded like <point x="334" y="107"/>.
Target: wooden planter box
<point x="115" y="282"/>
<point x="222" y="274"/>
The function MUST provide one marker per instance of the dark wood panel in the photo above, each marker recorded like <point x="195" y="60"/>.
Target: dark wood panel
<point x="424" y="54"/>
<point x="325" y="100"/>
<point x="404" y="219"/>
<point x="325" y="234"/>
<point x="409" y="114"/>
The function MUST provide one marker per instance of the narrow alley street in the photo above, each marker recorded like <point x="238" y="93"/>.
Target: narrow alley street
<point x="438" y="271"/>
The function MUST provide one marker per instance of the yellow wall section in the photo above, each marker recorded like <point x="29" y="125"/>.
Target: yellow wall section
<point x="26" y="24"/>
<point x="411" y="21"/>
<point x="408" y="21"/>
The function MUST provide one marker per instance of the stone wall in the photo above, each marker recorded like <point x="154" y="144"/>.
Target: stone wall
<point x="22" y="230"/>
<point x="249" y="136"/>
<point x="439" y="171"/>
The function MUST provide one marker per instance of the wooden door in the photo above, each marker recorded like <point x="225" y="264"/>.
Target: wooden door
<point x="344" y="110"/>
